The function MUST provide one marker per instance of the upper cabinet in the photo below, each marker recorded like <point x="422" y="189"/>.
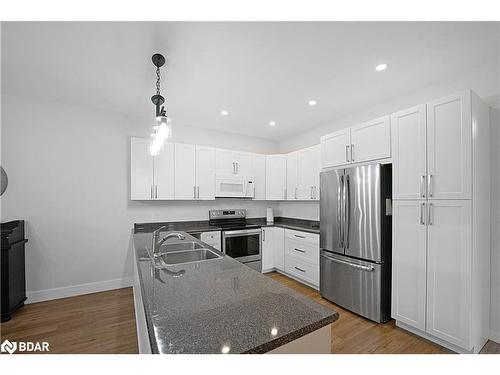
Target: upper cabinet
<point x="205" y="173"/>
<point x="232" y="162"/>
<point x="185" y="171"/>
<point x="275" y="177"/>
<point x="308" y="167"/>
<point x="432" y="150"/>
<point x="292" y="186"/>
<point x="150" y="177"/>
<point x="259" y="175"/>
<point x="365" y="142"/>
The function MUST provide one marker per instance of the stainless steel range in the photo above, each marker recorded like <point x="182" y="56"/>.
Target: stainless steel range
<point x="240" y="240"/>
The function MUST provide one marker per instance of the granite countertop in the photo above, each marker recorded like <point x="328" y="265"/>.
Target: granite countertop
<point x="204" y="225"/>
<point x="221" y="303"/>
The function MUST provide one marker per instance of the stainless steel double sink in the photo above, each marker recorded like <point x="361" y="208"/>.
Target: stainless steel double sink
<point x="181" y="251"/>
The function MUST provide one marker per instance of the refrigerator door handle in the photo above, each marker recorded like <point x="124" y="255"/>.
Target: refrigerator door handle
<point x="347" y="207"/>
<point x="339" y="211"/>
<point x="353" y="265"/>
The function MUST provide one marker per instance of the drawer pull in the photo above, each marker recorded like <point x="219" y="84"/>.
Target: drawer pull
<point x="296" y="235"/>
<point x="299" y="269"/>
<point x="299" y="250"/>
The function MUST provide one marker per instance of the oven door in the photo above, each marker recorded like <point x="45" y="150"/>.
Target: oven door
<point x="242" y="245"/>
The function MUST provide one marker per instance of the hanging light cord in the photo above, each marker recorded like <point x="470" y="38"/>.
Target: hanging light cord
<point x="157" y="81"/>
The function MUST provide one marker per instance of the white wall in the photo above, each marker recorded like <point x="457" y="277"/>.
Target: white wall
<point x="68" y="173"/>
<point x="495" y="223"/>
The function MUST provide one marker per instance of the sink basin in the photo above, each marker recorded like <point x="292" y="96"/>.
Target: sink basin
<point x="188" y="256"/>
<point x="167" y="247"/>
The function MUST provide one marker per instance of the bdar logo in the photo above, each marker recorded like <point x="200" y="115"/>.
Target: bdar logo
<point x="9" y="347"/>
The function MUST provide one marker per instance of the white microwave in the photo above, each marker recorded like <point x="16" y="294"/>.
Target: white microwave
<point x="231" y="186"/>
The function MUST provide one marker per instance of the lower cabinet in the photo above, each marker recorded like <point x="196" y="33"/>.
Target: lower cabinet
<point x="302" y="256"/>
<point x="432" y="269"/>
<point x="273" y="249"/>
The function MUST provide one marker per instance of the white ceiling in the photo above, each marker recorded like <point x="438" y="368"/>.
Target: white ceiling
<point x="257" y="71"/>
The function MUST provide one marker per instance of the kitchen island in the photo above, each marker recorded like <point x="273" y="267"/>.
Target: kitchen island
<point x="222" y="306"/>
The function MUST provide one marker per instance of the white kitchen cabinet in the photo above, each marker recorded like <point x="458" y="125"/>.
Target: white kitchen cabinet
<point x="185" y="171"/>
<point x="224" y="162"/>
<point x="371" y="140"/>
<point x="409" y="153"/>
<point x="449" y="265"/>
<point x="233" y="162"/>
<point x="259" y="175"/>
<point x="267" y="249"/>
<point x="308" y="167"/>
<point x="205" y="173"/>
<point x="275" y="177"/>
<point x="302" y="256"/>
<point x="449" y="147"/>
<point x="141" y="169"/>
<point x="291" y="176"/>
<point x="279" y="248"/>
<point x="164" y="173"/>
<point x="409" y="263"/>
<point x="335" y="149"/>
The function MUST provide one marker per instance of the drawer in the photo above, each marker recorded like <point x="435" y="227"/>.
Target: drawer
<point x="302" y="249"/>
<point x="302" y="269"/>
<point x="312" y="238"/>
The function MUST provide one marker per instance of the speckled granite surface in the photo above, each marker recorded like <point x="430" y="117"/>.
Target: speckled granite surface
<point x="204" y="226"/>
<point x="220" y="304"/>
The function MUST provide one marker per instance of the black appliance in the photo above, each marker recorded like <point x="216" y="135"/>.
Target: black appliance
<point x="12" y="268"/>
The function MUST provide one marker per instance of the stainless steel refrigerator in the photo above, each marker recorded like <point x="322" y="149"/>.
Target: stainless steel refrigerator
<point x="355" y="239"/>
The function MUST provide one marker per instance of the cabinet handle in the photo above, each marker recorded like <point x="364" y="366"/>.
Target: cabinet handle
<point x="296" y="235"/>
<point x="347" y="153"/>
<point x="429" y="185"/>
<point x="284" y="193"/>
<point x="237" y="168"/>
<point x="151" y="192"/>
<point x="299" y="250"/>
<point x="234" y="168"/>
<point x="422" y="189"/>
<point x="194" y="192"/>
<point x="295" y="193"/>
<point x="198" y="192"/>
<point x="156" y="191"/>
<point x="312" y="188"/>
<point x="263" y="235"/>
<point x="429" y="215"/>
<point x="422" y="208"/>
<point x="299" y="269"/>
<point x="352" y="152"/>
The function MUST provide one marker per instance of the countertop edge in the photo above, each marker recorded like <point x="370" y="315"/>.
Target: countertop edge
<point x="292" y="336"/>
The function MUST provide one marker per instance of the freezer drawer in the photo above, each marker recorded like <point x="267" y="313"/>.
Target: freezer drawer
<point x="353" y="284"/>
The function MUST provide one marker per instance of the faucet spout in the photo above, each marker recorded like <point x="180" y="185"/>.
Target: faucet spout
<point x="157" y="243"/>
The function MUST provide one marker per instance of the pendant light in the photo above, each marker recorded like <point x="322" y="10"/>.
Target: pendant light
<point x="162" y="129"/>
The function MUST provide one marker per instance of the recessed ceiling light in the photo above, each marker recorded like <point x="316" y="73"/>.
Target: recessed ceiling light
<point x="312" y="103"/>
<point x="381" y="67"/>
<point x="272" y="123"/>
<point x="224" y="112"/>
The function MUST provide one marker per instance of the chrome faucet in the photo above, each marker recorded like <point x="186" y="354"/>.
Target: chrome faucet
<point x="156" y="243"/>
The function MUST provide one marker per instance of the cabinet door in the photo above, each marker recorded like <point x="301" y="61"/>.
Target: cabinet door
<point x="259" y="175"/>
<point x="267" y="249"/>
<point x="449" y="271"/>
<point x="371" y="140"/>
<point x="185" y="171"/>
<point x="291" y="176"/>
<point x="409" y="153"/>
<point x="224" y="162"/>
<point x="243" y="162"/>
<point x="279" y="248"/>
<point x="316" y="169"/>
<point x="141" y="169"/>
<point x="335" y="149"/>
<point x="164" y="173"/>
<point x="409" y="263"/>
<point x="306" y="174"/>
<point x="449" y="147"/>
<point x="205" y="172"/>
<point x="275" y="177"/>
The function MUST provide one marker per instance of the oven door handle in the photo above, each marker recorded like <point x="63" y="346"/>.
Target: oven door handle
<point x="234" y="233"/>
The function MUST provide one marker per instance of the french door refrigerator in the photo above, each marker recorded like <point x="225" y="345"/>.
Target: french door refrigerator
<point x="355" y="239"/>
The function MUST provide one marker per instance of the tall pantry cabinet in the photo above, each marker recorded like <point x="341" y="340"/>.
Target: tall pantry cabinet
<point x="441" y="229"/>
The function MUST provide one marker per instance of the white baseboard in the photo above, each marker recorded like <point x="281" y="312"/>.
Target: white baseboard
<point x="77" y="290"/>
<point x="495" y="336"/>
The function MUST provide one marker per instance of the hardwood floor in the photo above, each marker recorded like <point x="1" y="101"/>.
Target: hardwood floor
<point x="105" y="323"/>
<point x="93" y="323"/>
